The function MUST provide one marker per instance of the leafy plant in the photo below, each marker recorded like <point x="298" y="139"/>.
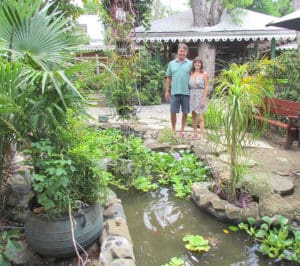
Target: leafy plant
<point x="239" y="91"/>
<point x="196" y="243"/>
<point x="119" y="83"/>
<point x="180" y="169"/>
<point x="287" y="77"/>
<point x="276" y="238"/>
<point x="144" y="184"/>
<point x="35" y="62"/>
<point x="66" y="169"/>
<point x="8" y="245"/>
<point x="175" y="262"/>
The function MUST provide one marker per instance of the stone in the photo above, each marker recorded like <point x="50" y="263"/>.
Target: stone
<point x="241" y="159"/>
<point x="152" y="134"/>
<point x="250" y="211"/>
<point x="260" y="184"/>
<point x="123" y="262"/>
<point x="116" y="247"/>
<point x="219" y="169"/>
<point x="114" y="210"/>
<point x="282" y="185"/>
<point x="24" y="255"/>
<point x="275" y="204"/>
<point x="121" y="252"/>
<point x="156" y="146"/>
<point x="217" y="203"/>
<point x="233" y="212"/>
<point x="117" y="227"/>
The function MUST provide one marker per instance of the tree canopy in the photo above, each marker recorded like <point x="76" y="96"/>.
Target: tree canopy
<point x="276" y="8"/>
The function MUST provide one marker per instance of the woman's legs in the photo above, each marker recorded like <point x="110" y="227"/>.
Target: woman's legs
<point x="201" y="118"/>
<point x="194" y="119"/>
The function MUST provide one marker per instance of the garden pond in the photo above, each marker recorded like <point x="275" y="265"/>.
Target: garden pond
<point x="158" y="221"/>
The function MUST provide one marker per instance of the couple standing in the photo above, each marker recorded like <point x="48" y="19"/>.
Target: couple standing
<point x="187" y="84"/>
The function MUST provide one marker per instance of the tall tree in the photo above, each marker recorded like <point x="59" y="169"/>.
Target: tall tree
<point x="139" y="10"/>
<point x="277" y="8"/>
<point x="208" y="13"/>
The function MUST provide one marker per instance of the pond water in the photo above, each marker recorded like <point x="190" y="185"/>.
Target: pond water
<point x="158" y="221"/>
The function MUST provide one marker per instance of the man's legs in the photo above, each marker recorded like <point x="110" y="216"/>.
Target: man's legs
<point x="173" y="122"/>
<point x="175" y="107"/>
<point x="183" y="122"/>
<point x="185" y="107"/>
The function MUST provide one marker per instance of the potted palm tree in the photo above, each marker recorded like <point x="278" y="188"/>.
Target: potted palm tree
<point x="36" y="94"/>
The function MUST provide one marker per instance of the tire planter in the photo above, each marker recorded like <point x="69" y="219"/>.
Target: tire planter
<point x="53" y="238"/>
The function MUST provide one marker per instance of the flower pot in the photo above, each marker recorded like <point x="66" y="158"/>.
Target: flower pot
<point x="53" y="238"/>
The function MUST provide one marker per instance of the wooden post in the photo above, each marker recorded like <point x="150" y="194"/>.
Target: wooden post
<point x="157" y="53"/>
<point x="273" y="48"/>
<point x="97" y="65"/>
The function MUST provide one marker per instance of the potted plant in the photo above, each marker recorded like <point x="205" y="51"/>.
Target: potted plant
<point x="36" y="94"/>
<point x="66" y="183"/>
<point x="119" y="83"/>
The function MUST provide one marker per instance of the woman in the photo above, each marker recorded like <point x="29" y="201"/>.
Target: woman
<point x="198" y="94"/>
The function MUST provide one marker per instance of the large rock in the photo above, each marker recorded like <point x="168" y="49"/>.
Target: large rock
<point x="275" y="204"/>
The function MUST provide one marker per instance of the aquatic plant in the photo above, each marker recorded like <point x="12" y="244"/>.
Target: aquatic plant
<point x="175" y="262"/>
<point x="276" y="237"/>
<point x="196" y="243"/>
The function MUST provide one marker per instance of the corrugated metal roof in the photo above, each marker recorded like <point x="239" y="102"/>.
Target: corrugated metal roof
<point x="290" y="21"/>
<point x="287" y="46"/>
<point x="94" y="48"/>
<point x="179" y="27"/>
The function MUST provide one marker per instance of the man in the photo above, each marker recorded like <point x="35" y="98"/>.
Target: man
<point x="177" y="83"/>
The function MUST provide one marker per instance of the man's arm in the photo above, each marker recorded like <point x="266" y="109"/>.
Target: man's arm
<point x="168" y="87"/>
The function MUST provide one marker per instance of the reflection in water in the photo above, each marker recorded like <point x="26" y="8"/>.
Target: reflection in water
<point x="158" y="221"/>
<point x="161" y="212"/>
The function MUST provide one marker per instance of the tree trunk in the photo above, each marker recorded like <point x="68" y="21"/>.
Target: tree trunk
<point x="157" y="9"/>
<point x="296" y="6"/>
<point x="207" y="52"/>
<point x="200" y="13"/>
<point x="207" y="13"/>
<point x="215" y="13"/>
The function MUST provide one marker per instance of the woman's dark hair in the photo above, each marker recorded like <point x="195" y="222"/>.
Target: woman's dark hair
<point x="197" y="59"/>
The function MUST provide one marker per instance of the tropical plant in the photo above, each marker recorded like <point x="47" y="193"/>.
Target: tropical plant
<point x="276" y="237"/>
<point x="66" y="170"/>
<point x="120" y="83"/>
<point x="175" y="262"/>
<point x="287" y="77"/>
<point x="151" y="78"/>
<point x="196" y="243"/>
<point x="35" y="62"/>
<point x="277" y="8"/>
<point x="239" y="93"/>
<point x="8" y="246"/>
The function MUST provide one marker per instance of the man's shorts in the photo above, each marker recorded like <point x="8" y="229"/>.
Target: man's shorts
<point x="179" y="100"/>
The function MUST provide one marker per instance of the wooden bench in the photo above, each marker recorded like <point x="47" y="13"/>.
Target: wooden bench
<point x="284" y="108"/>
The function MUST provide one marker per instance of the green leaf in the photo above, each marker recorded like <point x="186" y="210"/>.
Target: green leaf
<point x="233" y="228"/>
<point x="4" y="261"/>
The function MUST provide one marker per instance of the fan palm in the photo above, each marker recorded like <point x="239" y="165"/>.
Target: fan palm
<point x="35" y="91"/>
